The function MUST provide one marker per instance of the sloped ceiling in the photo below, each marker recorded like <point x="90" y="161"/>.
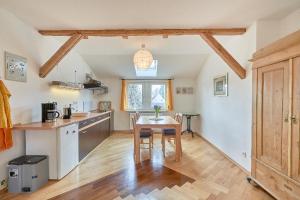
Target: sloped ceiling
<point x="177" y="56"/>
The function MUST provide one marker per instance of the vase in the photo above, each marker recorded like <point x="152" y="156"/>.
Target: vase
<point x="156" y="115"/>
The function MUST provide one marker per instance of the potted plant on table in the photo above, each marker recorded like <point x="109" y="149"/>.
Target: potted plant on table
<point x="157" y="110"/>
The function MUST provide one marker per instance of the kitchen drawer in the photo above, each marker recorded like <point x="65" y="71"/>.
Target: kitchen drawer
<point x="83" y="123"/>
<point x="92" y="120"/>
<point x="281" y="187"/>
<point x="103" y="116"/>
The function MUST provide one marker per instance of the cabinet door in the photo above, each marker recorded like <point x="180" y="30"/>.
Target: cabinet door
<point x="272" y="109"/>
<point x="295" y="122"/>
<point x="68" y="149"/>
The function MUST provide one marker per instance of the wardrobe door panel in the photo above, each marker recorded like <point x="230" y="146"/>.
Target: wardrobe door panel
<point x="295" y="121"/>
<point x="272" y="109"/>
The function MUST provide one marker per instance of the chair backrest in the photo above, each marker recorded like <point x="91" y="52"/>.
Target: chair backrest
<point x="137" y="114"/>
<point x="179" y="118"/>
<point x="133" y="120"/>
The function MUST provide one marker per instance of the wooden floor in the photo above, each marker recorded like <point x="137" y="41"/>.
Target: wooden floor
<point x="203" y="173"/>
<point x="143" y="178"/>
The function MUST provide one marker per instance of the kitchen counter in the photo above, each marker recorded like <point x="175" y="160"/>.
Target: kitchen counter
<point x="59" y="123"/>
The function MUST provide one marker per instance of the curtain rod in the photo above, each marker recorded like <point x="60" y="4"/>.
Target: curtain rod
<point x="142" y="79"/>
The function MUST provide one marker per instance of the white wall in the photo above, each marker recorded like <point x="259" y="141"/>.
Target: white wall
<point x="182" y="103"/>
<point x="269" y="31"/>
<point x="226" y="121"/>
<point x="21" y="39"/>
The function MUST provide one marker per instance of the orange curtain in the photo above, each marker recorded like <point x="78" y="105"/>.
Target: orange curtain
<point x="123" y="104"/>
<point x="170" y="96"/>
<point x="5" y="118"/>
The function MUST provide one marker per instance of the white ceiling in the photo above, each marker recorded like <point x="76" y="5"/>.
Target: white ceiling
<point x="177" y="56"/>
<point x="80" y="14"/>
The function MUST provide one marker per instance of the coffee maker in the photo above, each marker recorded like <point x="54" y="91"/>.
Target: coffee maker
<point x="49" y="112"/>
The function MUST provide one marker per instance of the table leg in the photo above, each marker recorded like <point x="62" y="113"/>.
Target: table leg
<point x="178" y="149"/>
<point x="137" y="145"/>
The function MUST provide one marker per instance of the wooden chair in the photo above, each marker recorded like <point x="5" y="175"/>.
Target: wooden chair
<point x="144" y="134"/>
<point x="170" y="134"/>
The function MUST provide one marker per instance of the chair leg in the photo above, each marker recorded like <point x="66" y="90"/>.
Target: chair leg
<point x="152" y="141"/>
<point x="150" y="149"/>
<point x="163" y="145"/>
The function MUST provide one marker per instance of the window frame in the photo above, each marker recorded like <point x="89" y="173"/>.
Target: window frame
<point x="147" y="93"/>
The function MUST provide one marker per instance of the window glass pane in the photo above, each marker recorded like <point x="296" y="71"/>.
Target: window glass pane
<point x="158" y="95"/>
<point x="135" y="96"/>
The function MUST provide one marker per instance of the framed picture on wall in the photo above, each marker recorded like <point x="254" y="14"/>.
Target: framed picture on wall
<point x="16" y="67"/>
<point x="221" y="85"/>
<point x="178" y="90"/>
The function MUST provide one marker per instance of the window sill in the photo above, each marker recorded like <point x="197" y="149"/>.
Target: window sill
<point x="146" y="111"/>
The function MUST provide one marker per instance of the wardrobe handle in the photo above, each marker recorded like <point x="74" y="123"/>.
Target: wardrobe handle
<point x="286" y="119"/>
<point x="294" y="119"/>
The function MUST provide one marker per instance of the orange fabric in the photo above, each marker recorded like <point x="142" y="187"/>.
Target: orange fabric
<point x="5" y="118"/>
<point x="170" y="96"/>
<point x="6" y="140"/>
<point x="123" y="103"/>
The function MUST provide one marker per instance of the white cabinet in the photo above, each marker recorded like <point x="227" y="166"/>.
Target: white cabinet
<point x="61" y="145"/>
<point x="67" y="149"/>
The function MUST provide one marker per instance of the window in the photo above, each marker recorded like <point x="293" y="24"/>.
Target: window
<point x="151" y="71"/>
<point x="158" y="95"/>
<point x="143" y="95"/>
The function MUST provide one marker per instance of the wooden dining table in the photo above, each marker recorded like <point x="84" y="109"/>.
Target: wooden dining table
<point x="162" y="122"/>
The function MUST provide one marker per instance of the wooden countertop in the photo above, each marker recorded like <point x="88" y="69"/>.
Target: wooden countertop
<point x="59" y="123"/>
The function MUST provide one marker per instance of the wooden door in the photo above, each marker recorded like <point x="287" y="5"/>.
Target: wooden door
<point x="272" y="109"/>
<point x="295" y="161"/>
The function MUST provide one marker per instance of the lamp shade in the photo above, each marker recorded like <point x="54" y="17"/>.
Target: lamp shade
<point x="142" y="58"/>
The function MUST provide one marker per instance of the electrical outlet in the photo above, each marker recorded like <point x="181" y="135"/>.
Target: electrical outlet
<point x="244" y="154"/>
<point x="3" y="184"/>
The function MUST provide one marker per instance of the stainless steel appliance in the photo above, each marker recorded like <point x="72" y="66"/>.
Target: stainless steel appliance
<point x="49" y="112"/>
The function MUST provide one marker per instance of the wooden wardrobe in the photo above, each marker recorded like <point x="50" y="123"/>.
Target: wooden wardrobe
<point x="276" y="118"/>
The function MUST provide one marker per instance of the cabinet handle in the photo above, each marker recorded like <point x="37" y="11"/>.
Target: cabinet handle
<point x="67" y="132"/>
<point x="294" y="119"/>
<point x="73" y="131"/>
<point x="286" y="119"/>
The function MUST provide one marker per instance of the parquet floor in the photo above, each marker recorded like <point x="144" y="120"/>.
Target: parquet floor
<point x="216" y="178"/>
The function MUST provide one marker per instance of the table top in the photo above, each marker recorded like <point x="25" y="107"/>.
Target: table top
<point x="150" y="120"/>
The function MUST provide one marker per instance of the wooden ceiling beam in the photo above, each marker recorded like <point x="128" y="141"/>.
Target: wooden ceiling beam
<point x="59" y="54"/>
<point x="224" y="54"/>
<point x="144" y="32"/>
